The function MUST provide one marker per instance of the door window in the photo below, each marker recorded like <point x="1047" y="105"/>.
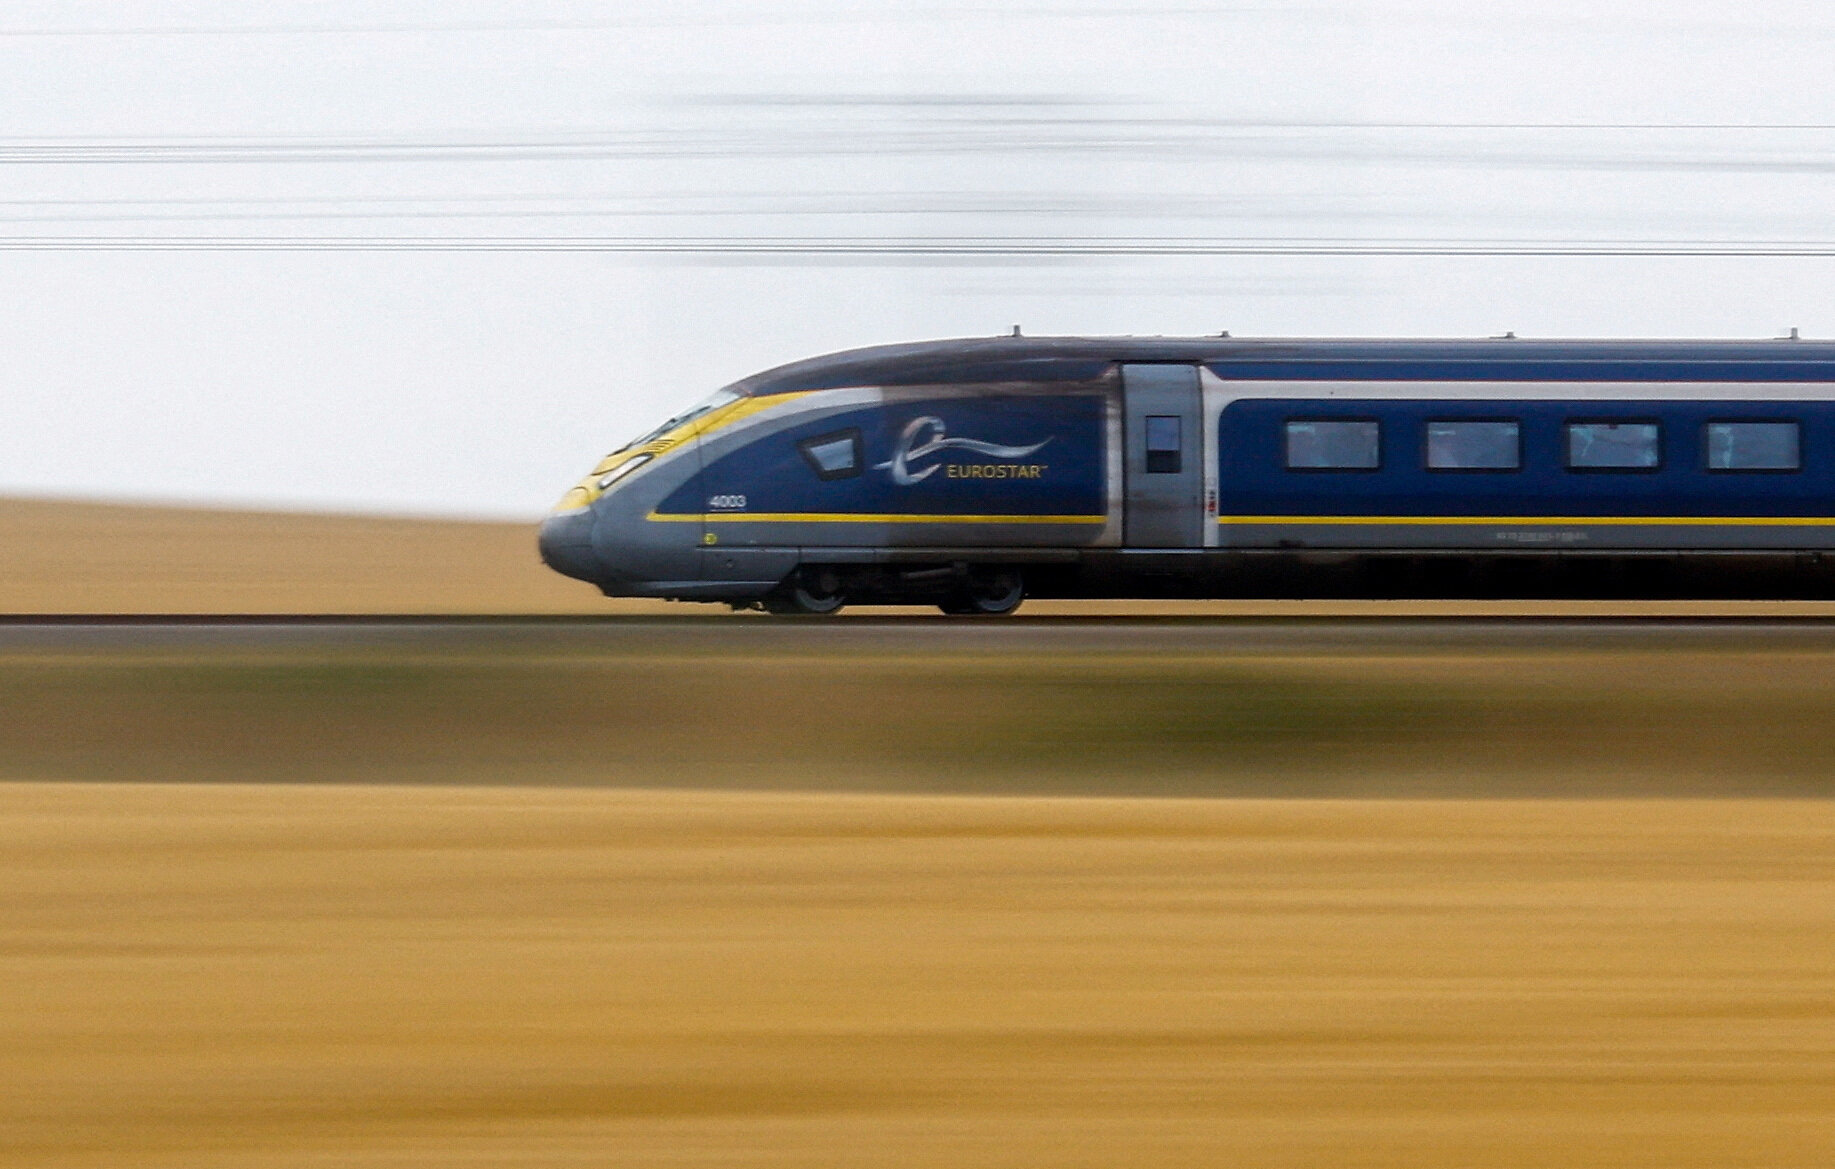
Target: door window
<point x="1165" y="444"/>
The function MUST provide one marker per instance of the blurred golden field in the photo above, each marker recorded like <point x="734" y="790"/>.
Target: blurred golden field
<point x="305" y="976"/>
<point x="65" y="557"/>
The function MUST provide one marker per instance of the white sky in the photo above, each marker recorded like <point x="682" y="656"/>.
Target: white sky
<point x="483" y="383"/>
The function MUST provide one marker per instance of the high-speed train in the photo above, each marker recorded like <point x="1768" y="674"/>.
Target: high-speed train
<point x="971" y="474"/>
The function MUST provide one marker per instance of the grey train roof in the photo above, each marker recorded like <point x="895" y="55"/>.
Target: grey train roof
<point x="1017" y="359"/>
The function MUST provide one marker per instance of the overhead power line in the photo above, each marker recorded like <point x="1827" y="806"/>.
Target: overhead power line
<point x="896" y="248"/>
<point x="214" y="30"/>
<point x="683" y="15"/>
<point x="1699" y="149"/>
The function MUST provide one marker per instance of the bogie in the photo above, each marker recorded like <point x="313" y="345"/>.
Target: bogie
<point x="986" y="593"/>
<point x="816" y="592"/>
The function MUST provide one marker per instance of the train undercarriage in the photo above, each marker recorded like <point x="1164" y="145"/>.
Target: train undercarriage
<point x="963" y="586"/>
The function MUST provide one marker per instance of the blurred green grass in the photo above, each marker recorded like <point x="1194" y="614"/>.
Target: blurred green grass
<point x="1403" y="717"/>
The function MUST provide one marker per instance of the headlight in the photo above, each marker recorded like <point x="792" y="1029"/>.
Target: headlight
<point x="621" y="470"/>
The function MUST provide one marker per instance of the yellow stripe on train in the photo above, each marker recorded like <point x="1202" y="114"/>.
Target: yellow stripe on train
<point x="817" y="517"/>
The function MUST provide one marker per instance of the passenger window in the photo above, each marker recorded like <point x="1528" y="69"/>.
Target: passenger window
<point x="1165" y="446"/>
<point x="1754" y="446"/>
<point x="1474" y="446"/>
<point x="1614" y="446"/>
<point x="833" y="456"/>
<point x="1333" y="445"/>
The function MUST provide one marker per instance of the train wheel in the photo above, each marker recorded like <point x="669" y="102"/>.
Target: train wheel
<point x="808" y="594"/>
<point x="988" y="594"/>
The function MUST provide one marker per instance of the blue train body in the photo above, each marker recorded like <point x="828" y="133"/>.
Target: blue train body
<point x="972" y="473"/>
<point x="1680" y="484"/>
<point x="1030" y="456"/>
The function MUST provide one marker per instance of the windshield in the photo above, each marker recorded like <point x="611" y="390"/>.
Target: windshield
<point x="714" y="403"/>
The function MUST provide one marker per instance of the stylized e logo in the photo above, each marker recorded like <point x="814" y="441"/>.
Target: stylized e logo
<point x="909" y="449"/>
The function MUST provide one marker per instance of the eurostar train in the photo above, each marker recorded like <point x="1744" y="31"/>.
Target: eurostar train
<point x="971" y="474"/>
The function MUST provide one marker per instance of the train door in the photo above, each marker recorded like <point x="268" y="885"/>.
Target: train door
<point x="1164" y="465"/>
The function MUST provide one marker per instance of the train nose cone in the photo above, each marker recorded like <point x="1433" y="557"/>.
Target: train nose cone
<point x="567" y="546"/>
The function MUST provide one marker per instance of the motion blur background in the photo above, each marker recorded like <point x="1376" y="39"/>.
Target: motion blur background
<point x="1130" y="885"/>
<point x="438" y="257"/>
